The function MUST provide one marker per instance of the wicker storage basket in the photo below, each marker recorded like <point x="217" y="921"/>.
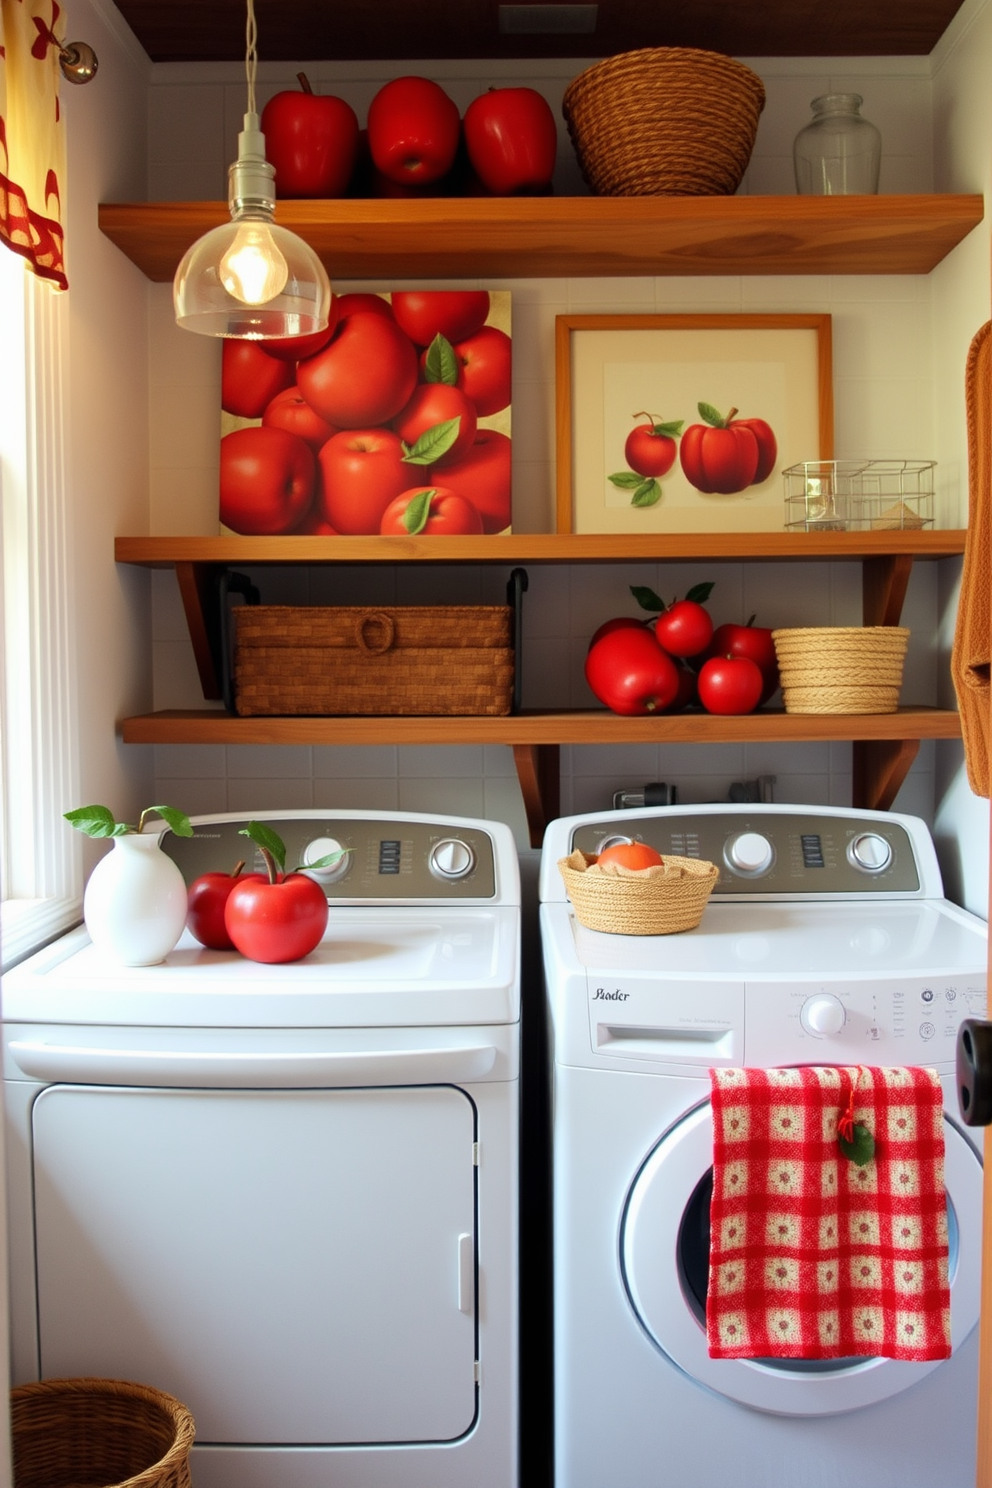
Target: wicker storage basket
<point x="97" y="1433"/>
<point x="664" y="121"/>
<point x="841" y="669"/>
<point x="428" y="660"/>
<point x="651" y="901"/>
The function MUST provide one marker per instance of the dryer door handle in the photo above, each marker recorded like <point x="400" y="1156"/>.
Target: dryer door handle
<point x="74" y="1064"/>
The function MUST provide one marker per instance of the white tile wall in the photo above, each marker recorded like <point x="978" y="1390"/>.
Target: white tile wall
<point x="885" y="402"/>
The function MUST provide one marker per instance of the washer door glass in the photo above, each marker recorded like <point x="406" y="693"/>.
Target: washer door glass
<point x="664" y="1252"/>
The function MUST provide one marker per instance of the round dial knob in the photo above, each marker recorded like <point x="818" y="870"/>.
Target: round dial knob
<point x="451" y="858"/>
<point x="870" y="852"/>
<point x="823" y="1015"/>
<point x="323" y="847"/>
<point x="749" y="852"/>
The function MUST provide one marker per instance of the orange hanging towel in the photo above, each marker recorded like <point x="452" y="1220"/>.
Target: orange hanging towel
<point x="971" y="653"/>
<point x="815" y="1253"/>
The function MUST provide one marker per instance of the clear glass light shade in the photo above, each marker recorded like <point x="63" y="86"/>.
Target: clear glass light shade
<point x="250" y="278"/>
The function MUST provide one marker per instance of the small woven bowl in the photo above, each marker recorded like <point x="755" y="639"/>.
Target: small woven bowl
<point x="664" y="121"/>
<point x="649" y="901"/>
<point x="841" y="669"/>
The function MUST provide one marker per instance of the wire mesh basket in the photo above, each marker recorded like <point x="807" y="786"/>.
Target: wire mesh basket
<point x="859" y="495"/>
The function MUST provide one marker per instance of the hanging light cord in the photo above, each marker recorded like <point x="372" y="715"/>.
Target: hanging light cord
<point x="251" y="54"/>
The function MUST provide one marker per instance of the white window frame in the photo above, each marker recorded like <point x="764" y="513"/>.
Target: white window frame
<point x="40" y="862"/>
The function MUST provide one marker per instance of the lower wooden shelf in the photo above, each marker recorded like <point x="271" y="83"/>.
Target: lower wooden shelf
<point x="885" y="744"/>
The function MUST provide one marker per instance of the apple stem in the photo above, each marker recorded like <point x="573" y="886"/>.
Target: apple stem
<point x="304" y="82"/>
<point x="730" y="415"/>
<point x="237" y="867"/>
<point x="270" y="864"/>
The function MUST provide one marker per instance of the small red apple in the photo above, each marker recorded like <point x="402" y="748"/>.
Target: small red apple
<point x="267" y="480"/>
<point x="363" y="471"/>
<point x="413" y="131"/>
<point x="311" y="141"/>
<point x="512" y="140"/>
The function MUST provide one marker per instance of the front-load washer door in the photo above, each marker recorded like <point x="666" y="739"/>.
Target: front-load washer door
<point x="664" y="1252"/>
<point x="296" y="1266"/>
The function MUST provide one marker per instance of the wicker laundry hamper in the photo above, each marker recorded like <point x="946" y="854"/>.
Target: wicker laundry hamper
<point x="664" y="121"/>
<point x="99" y="1433"/>
<point x="647" y="901"/>
<point x="841" y="669"/>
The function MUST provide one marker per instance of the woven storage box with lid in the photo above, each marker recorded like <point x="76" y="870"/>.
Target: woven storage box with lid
<point x="841" y="669"/>
<point x="648" y="901"/>
<point x="429" y="660"/>
<point x="664" y="121"/>
<point x="98" y="1433"/>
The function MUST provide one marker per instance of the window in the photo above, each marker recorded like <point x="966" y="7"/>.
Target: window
<point x="40" y="867"/>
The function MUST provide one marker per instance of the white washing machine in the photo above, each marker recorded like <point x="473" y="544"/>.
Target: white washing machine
<point x="288" y="1194"/>
<point x="827" y="941"/>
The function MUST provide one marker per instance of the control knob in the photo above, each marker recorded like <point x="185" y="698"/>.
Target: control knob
<point x="451" y="859"/>
<point x="323" y="847"/>
<point x="869" y="852"/>
<point x="749" y="852"/>
<point x="823" y="1015"/>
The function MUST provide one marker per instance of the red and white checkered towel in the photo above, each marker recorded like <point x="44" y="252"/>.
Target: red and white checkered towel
<point x="811" y="1255"/>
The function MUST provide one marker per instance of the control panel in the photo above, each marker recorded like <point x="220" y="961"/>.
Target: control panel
<point x="774" y="855"/>
<point x="353" y="857"/>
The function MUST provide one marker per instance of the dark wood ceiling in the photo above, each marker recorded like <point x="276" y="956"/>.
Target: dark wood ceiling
<point x="417" y="30"/>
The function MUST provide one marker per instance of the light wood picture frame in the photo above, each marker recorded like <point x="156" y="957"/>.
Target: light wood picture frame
<point x="613" y="372"/>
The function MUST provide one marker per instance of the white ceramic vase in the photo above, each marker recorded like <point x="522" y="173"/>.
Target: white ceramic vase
<point x="135" y="901"/>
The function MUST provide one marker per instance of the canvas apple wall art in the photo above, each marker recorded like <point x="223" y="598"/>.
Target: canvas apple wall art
<point x="393" y="422"/>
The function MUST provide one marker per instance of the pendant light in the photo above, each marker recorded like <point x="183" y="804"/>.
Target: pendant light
<point x="251" y="279"/>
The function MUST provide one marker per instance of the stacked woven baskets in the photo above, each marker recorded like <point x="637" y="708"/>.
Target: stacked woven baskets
<point x="841" y="669"/>
<point x="644" y="901"/>
<point x="664" y="121"/>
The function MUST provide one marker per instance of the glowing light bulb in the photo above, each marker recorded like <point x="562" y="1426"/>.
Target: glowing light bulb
<point x="253" y="270"/>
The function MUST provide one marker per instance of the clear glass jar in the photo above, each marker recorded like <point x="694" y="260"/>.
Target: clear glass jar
<point x="838" y="152"/>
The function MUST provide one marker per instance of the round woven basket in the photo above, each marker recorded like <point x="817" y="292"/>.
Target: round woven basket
<point x="650" y="901"/>
<point x="841" y="669"/>
<point x="98" y="1433"/>
<point x="664" y="121"/>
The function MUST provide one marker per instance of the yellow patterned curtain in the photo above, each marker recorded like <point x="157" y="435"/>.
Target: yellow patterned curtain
<point x="32" y="136"/>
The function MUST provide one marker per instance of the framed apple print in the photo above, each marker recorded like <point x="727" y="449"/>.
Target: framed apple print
<point x="393" y="422"/>
<point x="684" y="423"/>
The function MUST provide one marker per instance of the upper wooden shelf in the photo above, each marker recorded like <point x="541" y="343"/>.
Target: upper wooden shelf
<point x="583" y="236"/>
<point x="686" y="547"/>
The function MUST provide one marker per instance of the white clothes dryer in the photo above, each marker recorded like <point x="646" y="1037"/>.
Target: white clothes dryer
<point x="288" y="1194"/>
<point x="827" y="941"/>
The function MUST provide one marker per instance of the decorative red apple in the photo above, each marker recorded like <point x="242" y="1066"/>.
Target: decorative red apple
<point x="364" y="375"/>
<point x="267" y="480"/>
<point x="311" y="140"/>
<point x="432" y="407"/>
<point x="724" y="455"/>
<point x="250" y="378"/>
<point x="289" y="410"/>
<point x="650" y="449"/>
<point x="629" y="672"/>
<point x="432" y="511"/>
<point x="451" y="313"/>
<point x="279" y="918"/>
<point x="730" y="684"/>
<point x="684" y="629"/>
<point x="482" y="475"/>
<point x="205" y="903"/>
<point x="754" y="642"/>
<point x="484" y="368"/>
<point x="512" y="140"/>
<point x="413" y="131"/>
<point x="363" y="471"/>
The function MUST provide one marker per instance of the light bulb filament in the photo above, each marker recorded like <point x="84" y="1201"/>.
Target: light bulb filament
<point x="253" y="270"/>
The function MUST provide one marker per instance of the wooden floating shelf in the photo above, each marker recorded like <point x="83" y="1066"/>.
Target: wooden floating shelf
<point x="584" y="236"/>
<point x="679" y="547"/>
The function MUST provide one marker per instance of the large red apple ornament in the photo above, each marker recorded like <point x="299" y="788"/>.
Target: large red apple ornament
<point x="512" y="141"/>
<point x="413" y="131"/>
<point x="281" y="918"/>
<point x="311" y="141"/>
<point x="629" y="672"/>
